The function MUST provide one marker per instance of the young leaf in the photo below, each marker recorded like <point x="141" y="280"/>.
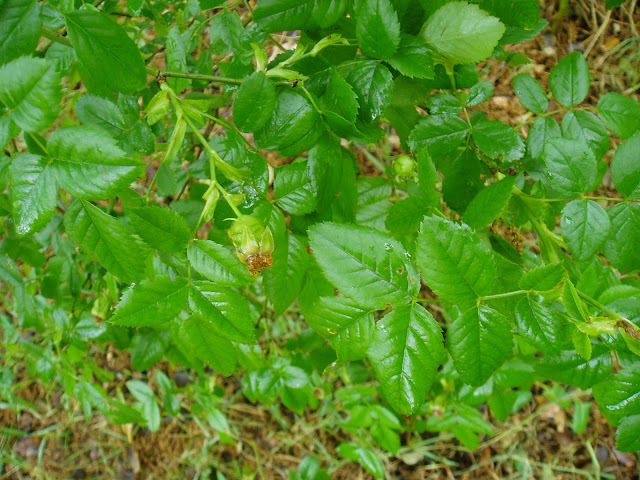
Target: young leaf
<point x="620" y="114"/>
<point x="30" y="93"/>
<point x="105" y="51"/>
<point x="33" y="192"/>
<point x="587" y="129"/>
<point x="364" y="264"/>
<point x="225" y="310"/>
<point x="530" y="93"/>
<point x="108" y="241"/>
<point x="585" y="226"/>
<point x="462" y="33"/>
<point x="254" y="103"/>
<point x="541" y="326"/>
<point x="625" y="168"/>
<point x="161" y="228"/>
<point x="217" y="263"/>
<point x="200" y="333"/>
<point x="569" y="80"/>
<point x="621" y="246"/>
<point x="348" y="327"/>
<point x="497" y="139"/>
<point x="406" y="352"/>
<point x="377" y="28"/>
<point x="572" y="167"/>
<point x="488" y="203"/>
<point x="479" y="341"/>
<point x="177" y="49"/>
<point x="372" y="82"/>
<point x="412" y="58"/>
<point x="618" y="396"/>
<point x="439" y="133"/>
<point x="89" y="164"/>
<point x="364" y="456"/>
<point x="151" y="303"/>
<point x="20" y="28"/>
<point x="454" y="262"/>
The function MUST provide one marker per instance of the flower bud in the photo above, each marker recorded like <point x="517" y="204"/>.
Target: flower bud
<point x="253" y="241"/>
<point x="404" y="168"/>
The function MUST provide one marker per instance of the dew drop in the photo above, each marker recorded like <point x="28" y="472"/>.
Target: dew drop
<point x="331" y="331"/>
<point x="388" y="247"/>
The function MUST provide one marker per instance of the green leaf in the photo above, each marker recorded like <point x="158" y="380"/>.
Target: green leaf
<point x="99" y="112"/>
<point x="365" y="457"/>
<point x="569" y="80"/>
<point x="294" y="125"/>
<point x="178" y="45"/>
<point x="488" y="203"/>
<point x="444" y="103"/>
<point x="161" y="228"/>
<point x="454" y="262"/>
<point x="628" y="434"/>
<point x="572" y="167"/>
<point x="204" y="339"/>
<point x="541" y="326"/>
<point x="151" y="303"/>
<point x="462" y="33"/>
<point x="348" y="327"/>
<point x="108" y="241"/>
<point x="227" y="311"/>
<point x="377" y="28"/>
<point x="30" y="91"/>
<point x="106" y="52"/>
<point x="364" y="264"/>
<point x="412" y="58"/>
<point x="587" y="129"/>
<point x="570" y="368"/>
<point x="542" y="278"/>
<point x="439" y="133"/>
<point x="89" y="164"/>
<point x="618" y="396"/>
<point x="254" y="103"/>
<point x="497" y="139"/>
<point x="479" y="93"/>
<point x="585" y="226"/>
<point x="620" y="114"/>
<point x="283" y="281"/>
<point x="621" y="246"/>
<point x="373" y="202"/>
<point x="530" y="93"/>
<point x="339" y="103"/>
<point x="33" y="192"/>
<point x="625" y="168"/>
<point x="406" y="352"/>
<point x="328" y="12"/>
<point x="294" y="189"/>
<point x="479" y="341"/>
<point x="217" y="263"/>
<point x="281" y="15"/>
<point x="404" y="217"/>
<point x="542" y="130"/>
<point x="372" y="82"/>
<point x="20" y="28"/>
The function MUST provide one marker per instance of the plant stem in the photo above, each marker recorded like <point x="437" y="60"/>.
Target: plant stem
<point x="599" y="306"/>
<point x="154" y="72"/>
<point x="503" y="295"/>
<point x="51" y="35"/>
